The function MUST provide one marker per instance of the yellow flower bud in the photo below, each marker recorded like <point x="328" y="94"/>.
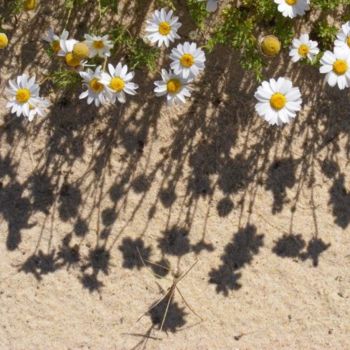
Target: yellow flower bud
<point x="80" y="51"/>
<point x="270" y="45"/>
<point x="71" y="60"/>
<point x="3" y="40"/>
<point x="29" y="5"/>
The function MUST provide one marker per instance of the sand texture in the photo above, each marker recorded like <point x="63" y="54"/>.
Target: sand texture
<point x="263" y="212"/>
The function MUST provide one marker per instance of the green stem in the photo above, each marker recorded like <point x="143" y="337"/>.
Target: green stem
<point x="68" y="17"/>
<point x="100" y="9"/>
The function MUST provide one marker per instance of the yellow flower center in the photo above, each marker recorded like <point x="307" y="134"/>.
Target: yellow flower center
<point x="303" y="50"/>
<point x="55" y="45"/>
<point x="29" y="4"/>
<point x="3" y="40"/>
<point x="98" y="44"/>
<point x="271" y="46"/>
<point x="23" y="95"/>
<point x="173" y="86"/>
<point x="187" y="60"/>
<point x="117" y="84"/>
<point x="278" y="101"/>
<point x="164" y="28"/>
<point x="340" y="67"/>
<point x="71" y="60"/>
<point x="348" y="40"/>
<point x="291" y="2"/>
<point x="80" y="51"/>
<point x="95" y="85"/>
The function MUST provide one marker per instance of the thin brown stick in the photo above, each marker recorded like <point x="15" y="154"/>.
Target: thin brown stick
<point x="186" y="273"/>
<point x="171" y="296"/>
<point x="188" y="305"/>
<point x="170" y="293"/>
<point x="153" y="306"/>
<point x="144" y="264"/>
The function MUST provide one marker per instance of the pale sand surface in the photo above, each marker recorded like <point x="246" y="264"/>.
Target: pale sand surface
<point x="266" y="211"/>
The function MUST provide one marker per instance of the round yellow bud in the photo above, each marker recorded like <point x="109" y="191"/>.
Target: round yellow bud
<point x="80" y="51"/>
<point x="29" y="5"/>
<point x="71" y="60"/>
<point x="270" y="45"/>
<point x="3" y="40"/>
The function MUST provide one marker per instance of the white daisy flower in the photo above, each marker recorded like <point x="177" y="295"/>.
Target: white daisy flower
<point x="303" y="48"/>
<point x="54" y="39"/>
<point x="118" y="82"/>
<point x="278" y="101"/>
<point x="173" y="86"/>
<point x="187" y="60"/>
<point x="99" y="45"/>
<point x="96" y="91"/>
<point x="162" y="28"/>
<point x="293" y="8"/>
<point x="336" y="66"/>
<point x="212" y="5"/>
<point x="39" y="106"/>
<point x="66" y="51"/>
<point x="22" y="94"/>
<point x="343" y="37"/>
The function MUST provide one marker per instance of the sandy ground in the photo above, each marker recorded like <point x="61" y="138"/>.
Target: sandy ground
<point x="262" y="212"/>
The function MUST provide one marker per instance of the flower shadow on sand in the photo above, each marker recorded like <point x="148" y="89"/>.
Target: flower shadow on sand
<point x="245" y="244"/>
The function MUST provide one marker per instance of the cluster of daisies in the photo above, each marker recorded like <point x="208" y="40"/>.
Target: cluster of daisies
<point x="106" y="84"/>
<point x="101" y="86"/>
<point x="279" y="101"/>
<point x="187" y="60"/>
